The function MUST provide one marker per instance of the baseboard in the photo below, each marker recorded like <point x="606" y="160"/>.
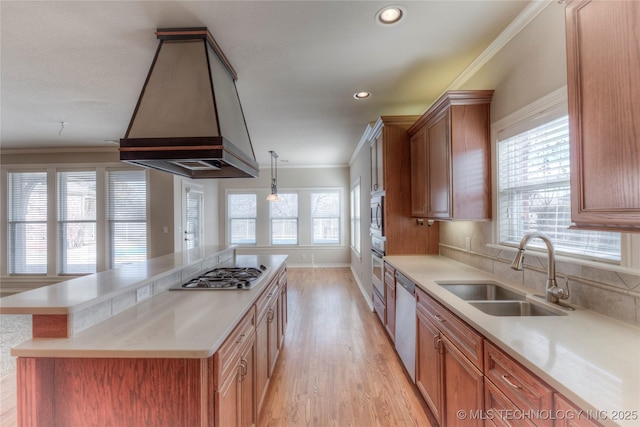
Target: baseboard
<point x="367" y="298"/>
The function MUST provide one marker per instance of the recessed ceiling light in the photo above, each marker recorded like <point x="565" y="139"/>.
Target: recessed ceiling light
<point x="362" y="95"/>
<point x="390" y="15"/>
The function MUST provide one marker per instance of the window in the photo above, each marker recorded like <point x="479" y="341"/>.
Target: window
<point x="127" y="216"/>
<point x="325" y="217"/>
<point x="534" y="191"/>
<point x="76" y="222"/>
<point x="194" y="211"/>
<point x="242" y="212"/>
<point x="284" y="219"/>
<point x="355" y="216"/>
<point x="27" y="223"/>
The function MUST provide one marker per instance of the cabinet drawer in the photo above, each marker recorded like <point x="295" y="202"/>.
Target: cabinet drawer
<point x="520" y="386"/>
<point x="500" y="410"/>
<point x="225" y="357"/>
<point x="378" y="306"/>
<point x="468" y="341"/>
<point x="389" y="274"/>
<point x="266" y="298"/>
<point x="572" y="416"/>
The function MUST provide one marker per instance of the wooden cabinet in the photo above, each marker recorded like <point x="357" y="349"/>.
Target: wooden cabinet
<point x="451" y="158"/>
<point x="376" y="157"/>
<point x="379" y="307"/>
<point x="390" y="144"/>
<point x="604" y="117"/>
<point x="449" y="364"/>
<point x="234" y="376"/>
<point x="429" y="363"/>
<point x="569" y="415"/>
<point x="271" y="309"/>
<point x="390" y="300"/>
<point x="513" y="386"/>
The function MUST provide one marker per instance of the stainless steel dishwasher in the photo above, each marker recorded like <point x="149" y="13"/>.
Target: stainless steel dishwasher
<point x="406" y="323"/>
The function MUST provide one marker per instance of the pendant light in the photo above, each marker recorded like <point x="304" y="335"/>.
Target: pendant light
<point x="273" y="197"/>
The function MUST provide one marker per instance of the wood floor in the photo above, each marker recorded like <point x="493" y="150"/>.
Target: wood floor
<point x="337" y="366"/>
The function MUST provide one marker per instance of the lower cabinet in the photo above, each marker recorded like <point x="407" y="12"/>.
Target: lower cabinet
<point x="569" y="415"/>
<point x="234" y="403"/>
<point x="390" y="300"/>
<point x="271" y="309"/>
<point x="448" y="371"/>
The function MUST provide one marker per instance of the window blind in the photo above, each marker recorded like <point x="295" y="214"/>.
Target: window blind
<point x="325" y="214"/>
<point x="127" y="216"/>
<point x="76" y="194"/>
<point x="27" y="223"/>
<point x="194" y="212"/>
<point x="535" y="194"/>
<point x="242" y="213"/>
<point x="284" y="219"/>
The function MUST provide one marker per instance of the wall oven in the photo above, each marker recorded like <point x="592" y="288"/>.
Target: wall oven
<point x="377" y="264"/>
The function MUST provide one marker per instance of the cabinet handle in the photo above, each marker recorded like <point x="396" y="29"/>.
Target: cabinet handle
<point x="505" y="378"/>
<point x="436" y="341"/>
<point x="439" y="318"/>
<point x="240" y="339"/>
<point x="243" y="370"/>
<point x="270" y="315"/>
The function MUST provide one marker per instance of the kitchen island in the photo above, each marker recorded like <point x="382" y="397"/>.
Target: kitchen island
<point x="174" y="358"/>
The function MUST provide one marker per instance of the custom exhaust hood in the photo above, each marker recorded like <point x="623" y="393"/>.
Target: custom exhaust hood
<point x="188" y="120"/>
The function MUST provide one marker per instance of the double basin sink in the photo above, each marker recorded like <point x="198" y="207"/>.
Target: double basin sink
<point x="497" y="300"/>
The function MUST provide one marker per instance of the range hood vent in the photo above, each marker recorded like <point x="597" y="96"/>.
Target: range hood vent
<point x="188" y="120"/>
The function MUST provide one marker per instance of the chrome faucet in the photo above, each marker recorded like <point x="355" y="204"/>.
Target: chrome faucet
<point x="554" y="293"/>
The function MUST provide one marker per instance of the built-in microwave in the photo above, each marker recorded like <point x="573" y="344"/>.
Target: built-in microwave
<point x="377" y="215"/>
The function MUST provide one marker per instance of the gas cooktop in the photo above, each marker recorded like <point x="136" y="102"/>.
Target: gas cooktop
<point x="224" y="278"/>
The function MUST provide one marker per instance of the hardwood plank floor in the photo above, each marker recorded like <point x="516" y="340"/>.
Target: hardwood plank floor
<point x="337" y="366"/>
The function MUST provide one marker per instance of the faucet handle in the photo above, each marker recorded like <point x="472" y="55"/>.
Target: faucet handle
<point x="559" y="292"/>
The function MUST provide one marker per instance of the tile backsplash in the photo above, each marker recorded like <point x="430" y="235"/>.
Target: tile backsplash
<point x="611" y="293"/>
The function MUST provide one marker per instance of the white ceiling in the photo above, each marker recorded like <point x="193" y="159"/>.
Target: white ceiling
<point x="298" y="65"/>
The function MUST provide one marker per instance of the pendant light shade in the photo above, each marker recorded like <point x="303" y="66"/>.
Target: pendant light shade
<point x="273" y="197"/>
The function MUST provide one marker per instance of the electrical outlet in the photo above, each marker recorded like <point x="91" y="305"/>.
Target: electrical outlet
<point x="143" y="293"/>
<point x="467" y="243"/>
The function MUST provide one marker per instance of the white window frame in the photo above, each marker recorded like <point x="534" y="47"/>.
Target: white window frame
<point x="320" y="217"/>
<point x="630" y="244"/>
<point x="287" y="218"/>
<point x="229" y="218"/>
<point x="102" y="242"/>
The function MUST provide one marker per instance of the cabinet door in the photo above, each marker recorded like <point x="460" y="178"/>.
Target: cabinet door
<point x="390" y="312"/>
<point x="429" y="365"/>
<point x="262" y="361"/>
<point x="246" y="400"/>
<point x="463" y="388"/>
<point x="419" y="173"/>
<point x="604" y="118"/>
<point x="377" y="159"/>
<point x="272" y="328"/>
<point x="571" y="415"/>
<point x="439" y="169"/>
<point x="226" y="413"/>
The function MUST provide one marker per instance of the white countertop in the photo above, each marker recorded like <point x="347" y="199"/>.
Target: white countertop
<point x="78" y="293"/>
<point x="174" y="324"/>
<point x="591" y="359"/>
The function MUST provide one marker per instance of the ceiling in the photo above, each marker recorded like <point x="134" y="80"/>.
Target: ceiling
<point x="298" y="63"/>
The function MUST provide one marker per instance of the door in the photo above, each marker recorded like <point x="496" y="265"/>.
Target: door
<point x="192" y="216"/>
<point x="429" y="364"/>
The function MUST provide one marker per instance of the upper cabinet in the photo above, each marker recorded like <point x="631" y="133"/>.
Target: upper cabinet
<point x="603" y="65"/>
<point x="391" y="173"/>
<point x="450" y="158"/>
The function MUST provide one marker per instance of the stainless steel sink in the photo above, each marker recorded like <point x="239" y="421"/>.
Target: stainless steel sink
<point x="514" y="308"/>
<point x="482" y="292"/>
